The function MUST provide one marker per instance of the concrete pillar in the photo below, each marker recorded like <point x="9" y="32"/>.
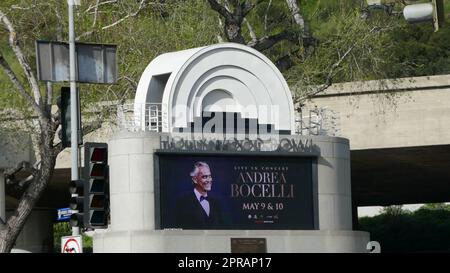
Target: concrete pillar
<point x="131" y="181"/>
<point x="334" y="186"/>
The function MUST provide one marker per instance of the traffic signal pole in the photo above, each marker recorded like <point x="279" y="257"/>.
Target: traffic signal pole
<point x="73" y="104"/>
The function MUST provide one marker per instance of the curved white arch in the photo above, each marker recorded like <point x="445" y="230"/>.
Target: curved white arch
<point x="240" y="93"/>
<point x="249" y="79"/>
<point x="219" y="101"/>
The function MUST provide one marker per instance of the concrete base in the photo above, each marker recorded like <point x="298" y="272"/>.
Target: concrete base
<point x="218" y="241"/>
<point x="132" y="193"/>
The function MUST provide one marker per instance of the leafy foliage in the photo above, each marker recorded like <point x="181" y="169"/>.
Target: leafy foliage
<point x="168" y="26"/>
<point x="419" y="51"/>
<point x="395" y="49"/>
<point x="343" y="31"/>
<point x="424" y="230"/>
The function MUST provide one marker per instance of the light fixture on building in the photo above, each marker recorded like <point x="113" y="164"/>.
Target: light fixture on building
<point x="413" y="12"/>
<point x="426" y="12"/>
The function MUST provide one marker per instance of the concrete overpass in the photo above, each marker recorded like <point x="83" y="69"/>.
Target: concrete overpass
<point x="399" y="133"/>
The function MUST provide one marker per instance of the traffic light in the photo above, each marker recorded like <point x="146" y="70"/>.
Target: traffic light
<point x="63" y="103"/>
<point x="96" y="185"/>
<point x="77" y="203"/>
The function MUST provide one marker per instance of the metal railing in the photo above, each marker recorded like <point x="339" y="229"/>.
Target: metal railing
<point x="318" y="122"/>
<point x="152" y="117"/>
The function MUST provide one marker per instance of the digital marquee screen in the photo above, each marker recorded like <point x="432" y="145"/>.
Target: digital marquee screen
<point x="235" y="192"/>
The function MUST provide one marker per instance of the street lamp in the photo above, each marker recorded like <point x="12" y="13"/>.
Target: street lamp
<point x="413" y="13"/>
<point x="426" y="12"/>
<point x="418" y="13"/>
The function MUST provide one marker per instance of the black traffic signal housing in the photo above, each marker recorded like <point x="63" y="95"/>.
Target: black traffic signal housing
<point x="63" y="103"/>
<point x="96" y="185"/>
<point x="77" y="203"/>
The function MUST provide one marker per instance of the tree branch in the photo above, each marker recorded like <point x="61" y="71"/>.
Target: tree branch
<point x="23" y="165"/>
<point x="95" y="14"/>
<point x="248" y="6"/>
<point x="307" y="38"/>
<point x="91" y="127"/>
<point x="57" y="149"/>
<point x="84" y="34"/>
<point x="266" y="14"/>
<point x="12" y="76"/>
<point x="222" y="10"/>
<point x="20" y="185"/>
<point x="142" y="5"/>
<point x="268" y="41"/>
<point x="56" y="120"/>
<point x="298" y="18"/>
<point x="59" y="27"/>
<point x="251" y="31"/>
<point x="21" y="58"/>
<point x="48" y="97"/>
<point x="128" y="79"/>
<point x="219" y="36"/>
<point x="330" y="75"/>
<point x="285" y="62"/>
<point x="333" y="68"/>
<point x="97" y="4"/>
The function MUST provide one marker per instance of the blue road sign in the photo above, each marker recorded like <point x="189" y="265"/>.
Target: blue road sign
<point x="64" y="214"/>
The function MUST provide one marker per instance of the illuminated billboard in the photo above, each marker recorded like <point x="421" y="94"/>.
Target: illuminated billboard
<point x="222" y="191"/>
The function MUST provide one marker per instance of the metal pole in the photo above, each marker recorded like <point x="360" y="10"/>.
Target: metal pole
<point x="73" y="104"/>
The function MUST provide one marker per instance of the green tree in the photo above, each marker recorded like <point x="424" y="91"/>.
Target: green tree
<point x="393" y="211"/>
<point x="436" y="206"/>
<point x="60" y="230"/>
<point x="156" y="27"/>
<point x="424" y="230"/>
<point x="315" y="43"/>
<point x="64" y="229"/>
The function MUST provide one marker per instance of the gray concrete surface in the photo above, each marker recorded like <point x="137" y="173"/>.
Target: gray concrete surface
<point x="407" y="112"/>
<point x="399" y="138"/>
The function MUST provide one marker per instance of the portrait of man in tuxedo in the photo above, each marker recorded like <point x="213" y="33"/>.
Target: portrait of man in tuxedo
<point x="198" y="209"/>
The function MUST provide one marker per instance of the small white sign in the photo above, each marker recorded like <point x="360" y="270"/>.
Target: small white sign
<point x="71" y="244"/>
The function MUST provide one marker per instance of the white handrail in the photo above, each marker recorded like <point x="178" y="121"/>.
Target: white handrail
<point x="141" y="117"/>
